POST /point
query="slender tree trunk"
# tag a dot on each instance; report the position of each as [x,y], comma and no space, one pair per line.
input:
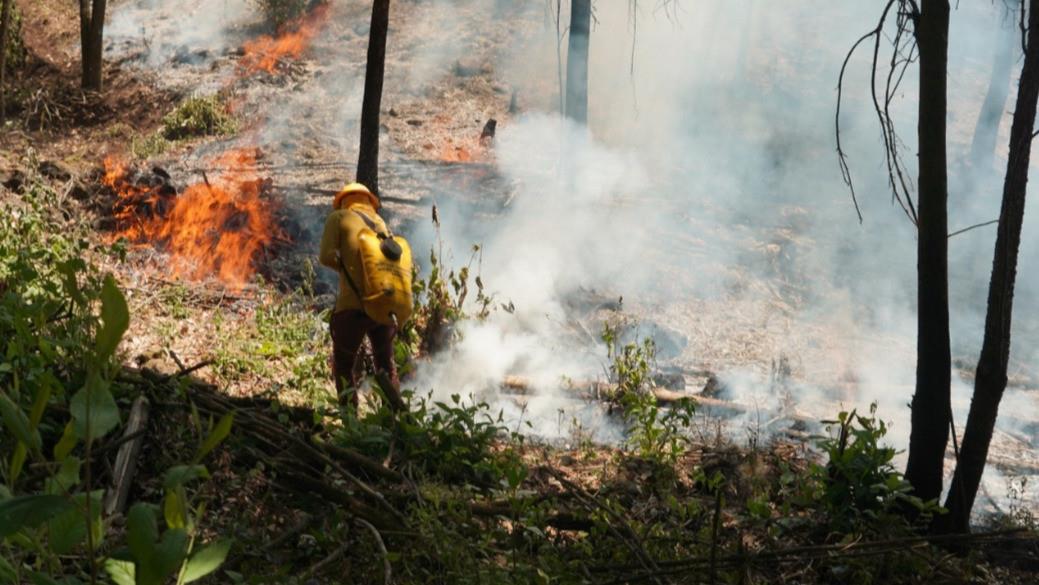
[5,25]
[991,379]
[577,61]
[931,403]
[91,38]
[986,131]
[368,159]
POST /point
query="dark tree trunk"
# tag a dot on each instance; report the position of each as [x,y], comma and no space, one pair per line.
[5,25]
[91,38]
[991,379]
[986,131]
[577,61]
[931,403]
[368,158]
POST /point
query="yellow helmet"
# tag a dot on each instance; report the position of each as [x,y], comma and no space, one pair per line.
[353,188]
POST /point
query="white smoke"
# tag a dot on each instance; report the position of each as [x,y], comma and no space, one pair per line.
[189,31]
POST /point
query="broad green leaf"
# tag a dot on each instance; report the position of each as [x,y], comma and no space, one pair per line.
[17,461]
[43,579]
[206,561]
[39,403]
[175,509]
[68,269]
[170,552]
[179,475]
[95,398]
[141,532]
[70,528]
[67,442]
[7,572]
[65,479]
[220,432]
[121,572]
[115,318]
[16,422]
[30,511]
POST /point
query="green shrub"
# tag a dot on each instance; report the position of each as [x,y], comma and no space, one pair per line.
[62,321]
[656,434]
[453,441]
[198,116]
[859,488]
[145,147]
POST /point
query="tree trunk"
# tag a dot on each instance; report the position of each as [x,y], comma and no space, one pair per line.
[5,25]
[991,379]
[91,38]
[931,406]
[368,158]
[577,61]
[986,131]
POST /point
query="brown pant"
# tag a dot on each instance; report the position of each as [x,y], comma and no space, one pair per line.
[348,330]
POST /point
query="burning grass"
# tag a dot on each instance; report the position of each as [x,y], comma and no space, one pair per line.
[219,227]
[265,53]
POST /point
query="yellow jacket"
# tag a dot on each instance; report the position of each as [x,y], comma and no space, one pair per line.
[340,241]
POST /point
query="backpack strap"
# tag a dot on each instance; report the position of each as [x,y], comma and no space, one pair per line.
[390,248]
[383,234]
[350,280]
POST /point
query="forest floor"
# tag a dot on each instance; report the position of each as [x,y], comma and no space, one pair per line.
[676,496]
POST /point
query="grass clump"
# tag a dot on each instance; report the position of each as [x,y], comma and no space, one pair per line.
[198,116]
[145,147]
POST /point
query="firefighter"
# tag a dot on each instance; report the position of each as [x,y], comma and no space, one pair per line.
[350,323]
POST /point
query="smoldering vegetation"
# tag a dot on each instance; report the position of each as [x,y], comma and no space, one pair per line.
[710,181]
[707,194]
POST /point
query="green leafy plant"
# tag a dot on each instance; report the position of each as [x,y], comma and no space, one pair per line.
[655,433]
[859,487]
[145,147]
[198,116]
[63,321]
[453,440]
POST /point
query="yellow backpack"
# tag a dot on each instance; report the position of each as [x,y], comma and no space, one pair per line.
[386,263]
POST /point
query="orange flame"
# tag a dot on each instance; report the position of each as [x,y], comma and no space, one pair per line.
[263,54]
[217,227]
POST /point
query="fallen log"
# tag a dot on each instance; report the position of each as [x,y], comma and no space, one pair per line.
[126,457]
[595,390]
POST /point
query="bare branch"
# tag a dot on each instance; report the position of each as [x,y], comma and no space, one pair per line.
[902,56]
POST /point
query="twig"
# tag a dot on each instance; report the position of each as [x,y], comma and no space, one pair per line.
[184,371]
[331,558]
[386,566]
[975,226]
[591,501]
[803,552]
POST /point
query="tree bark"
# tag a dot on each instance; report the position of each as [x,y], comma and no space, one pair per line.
[577,61]
[986,131]
[991,379]
[91,38]
[931,406]
[5,25]
[368,158]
